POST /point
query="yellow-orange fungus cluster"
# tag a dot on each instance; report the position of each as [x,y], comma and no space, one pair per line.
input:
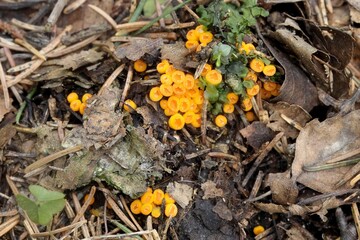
[197,38]
[257,69]
[76,104]
[150,203]
[179,96]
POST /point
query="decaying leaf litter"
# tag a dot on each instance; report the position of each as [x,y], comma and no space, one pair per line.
[291,173]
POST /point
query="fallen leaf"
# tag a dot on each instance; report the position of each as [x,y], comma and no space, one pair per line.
[102,124]
[182,193]
[210,190]
[150,116]
[256,134]
[271,208]
[176,54]
[222,211]
[283,189]
[77,60]
[137,48]
[320,141]
[294,112]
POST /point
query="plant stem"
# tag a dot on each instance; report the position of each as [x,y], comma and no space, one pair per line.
[23,105]
[138,10]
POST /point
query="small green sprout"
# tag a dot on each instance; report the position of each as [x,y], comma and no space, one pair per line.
[46,204]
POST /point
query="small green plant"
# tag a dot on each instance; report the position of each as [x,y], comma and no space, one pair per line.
[46,204]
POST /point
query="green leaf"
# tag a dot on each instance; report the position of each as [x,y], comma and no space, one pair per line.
[29,206]
[211,93]
[248,83]
[42,194]
[236,85]
[216,108]
[48,209]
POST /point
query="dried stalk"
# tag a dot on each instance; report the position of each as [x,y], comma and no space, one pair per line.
[64,51]
[45,160]
[80,215]
[55,14]
[29,225]
[30,48]
[60,230]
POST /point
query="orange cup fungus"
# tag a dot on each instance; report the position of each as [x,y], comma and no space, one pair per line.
[140,66]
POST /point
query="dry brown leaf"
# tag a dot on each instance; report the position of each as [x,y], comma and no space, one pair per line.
[320,141]
[77,60]
[137,48]
[271,208]
[210,190]
[150,117]
[283,189]
[222,211]
[256,134]
[176,54]
[295,112]
[182,193]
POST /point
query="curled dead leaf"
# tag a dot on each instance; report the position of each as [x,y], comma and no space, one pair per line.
[319,142]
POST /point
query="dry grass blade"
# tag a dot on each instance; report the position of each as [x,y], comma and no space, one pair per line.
[27,26]
[38,62]
[30,48]
[9,213]
[119,212]
[356,216]
[80,215]
[60,230]
[9,224]
[11,45]
[111,78]
[104,15]
[77,46]
[29,225]
[4,87]
[45,160]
